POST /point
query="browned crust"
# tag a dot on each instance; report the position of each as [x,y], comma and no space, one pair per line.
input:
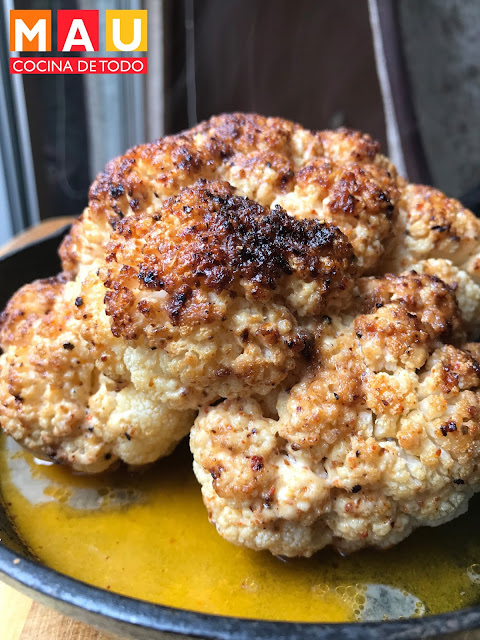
[175,159]
[354,145]
[31,306]
[209,239]
[133,182]
[460,370]
[443,220]
[351,187]
[199,151]
[424,302]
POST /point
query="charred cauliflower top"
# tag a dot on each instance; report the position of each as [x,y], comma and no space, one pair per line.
[340,175]
[291,287]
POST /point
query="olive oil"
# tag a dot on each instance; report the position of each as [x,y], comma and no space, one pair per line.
[147,535]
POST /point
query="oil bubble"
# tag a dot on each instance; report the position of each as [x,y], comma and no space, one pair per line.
[320,590]
[40,462]
[473,572]
[249,584]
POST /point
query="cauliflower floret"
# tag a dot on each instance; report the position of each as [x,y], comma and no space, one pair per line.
[436,234]
[381,436]
[359,198]
[210,293]
[55,399]
[431,225]
[84,246]
[466,289]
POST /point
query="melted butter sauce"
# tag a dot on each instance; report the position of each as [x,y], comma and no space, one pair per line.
[147,536]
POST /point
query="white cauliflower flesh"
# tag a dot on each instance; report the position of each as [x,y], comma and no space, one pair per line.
[381,436]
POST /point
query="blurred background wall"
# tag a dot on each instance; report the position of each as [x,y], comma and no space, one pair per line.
[314,61]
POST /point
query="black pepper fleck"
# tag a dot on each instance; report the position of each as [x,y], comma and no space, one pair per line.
[447,428]
[117,191]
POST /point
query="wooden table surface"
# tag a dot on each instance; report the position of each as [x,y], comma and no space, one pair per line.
[20,617]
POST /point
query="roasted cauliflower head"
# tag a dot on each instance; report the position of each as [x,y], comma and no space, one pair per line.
[290,278]
[381,435]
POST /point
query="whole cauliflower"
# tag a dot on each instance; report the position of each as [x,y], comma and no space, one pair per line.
[292,288]
[381,436]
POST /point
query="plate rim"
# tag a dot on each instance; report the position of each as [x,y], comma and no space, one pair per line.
[150,616]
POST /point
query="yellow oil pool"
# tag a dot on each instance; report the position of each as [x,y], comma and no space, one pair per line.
[147,536]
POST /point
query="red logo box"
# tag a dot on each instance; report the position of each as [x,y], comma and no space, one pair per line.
[77,30]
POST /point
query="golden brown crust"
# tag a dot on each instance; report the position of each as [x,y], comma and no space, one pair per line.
[402,320]
[207,239]
[28,305]
[338,382]
[264,158]
[352,187]
[179,160]
[457,369]
[436,234]
[344,145]
[423,304]
[41,358]
[432,225]
[452,231]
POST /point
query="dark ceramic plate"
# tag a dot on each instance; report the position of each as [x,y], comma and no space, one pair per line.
[142,620]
